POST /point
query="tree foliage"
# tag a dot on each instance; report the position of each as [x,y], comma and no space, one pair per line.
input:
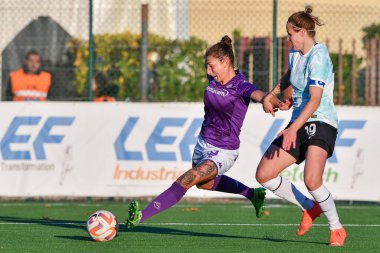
[371,31]
[347,75]
[176,68]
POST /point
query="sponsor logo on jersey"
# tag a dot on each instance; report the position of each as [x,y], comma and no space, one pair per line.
[222,92]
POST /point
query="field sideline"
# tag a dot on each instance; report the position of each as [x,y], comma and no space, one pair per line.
[187,227]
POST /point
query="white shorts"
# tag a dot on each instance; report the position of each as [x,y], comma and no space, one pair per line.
[223,158]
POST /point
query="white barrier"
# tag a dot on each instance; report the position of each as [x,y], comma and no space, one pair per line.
[133,149]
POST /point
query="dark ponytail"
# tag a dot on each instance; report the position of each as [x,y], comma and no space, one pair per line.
[222,49]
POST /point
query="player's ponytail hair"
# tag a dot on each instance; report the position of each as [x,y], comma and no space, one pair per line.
[222,49]
[305,20]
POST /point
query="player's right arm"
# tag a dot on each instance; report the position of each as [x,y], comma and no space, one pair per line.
[283,87]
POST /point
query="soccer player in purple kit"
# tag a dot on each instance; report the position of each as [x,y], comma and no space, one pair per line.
[226,101]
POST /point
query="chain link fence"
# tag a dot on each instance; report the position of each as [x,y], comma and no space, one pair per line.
[45,27]
[94,50]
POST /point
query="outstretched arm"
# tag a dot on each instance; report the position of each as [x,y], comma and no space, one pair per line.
[268,101]
[290,134]
[258,95]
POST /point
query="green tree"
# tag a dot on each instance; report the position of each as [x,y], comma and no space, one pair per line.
[176,67]
[347,75]
[371,31]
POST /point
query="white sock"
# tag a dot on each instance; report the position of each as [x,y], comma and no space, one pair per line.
[326,202]
[286,190]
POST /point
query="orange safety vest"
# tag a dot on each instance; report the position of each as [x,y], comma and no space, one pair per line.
[104,99]
[29,86]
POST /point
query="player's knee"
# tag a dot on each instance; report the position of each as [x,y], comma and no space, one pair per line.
[263,176]
[189,179]
[198,175]
[205,169]
[259,177]
[312,183]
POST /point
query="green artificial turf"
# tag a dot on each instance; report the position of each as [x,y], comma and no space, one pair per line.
[186,227]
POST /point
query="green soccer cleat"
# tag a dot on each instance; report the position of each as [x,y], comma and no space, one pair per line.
[134,214]
[258,201]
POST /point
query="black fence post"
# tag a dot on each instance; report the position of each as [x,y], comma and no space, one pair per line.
[144,53]
[90,72]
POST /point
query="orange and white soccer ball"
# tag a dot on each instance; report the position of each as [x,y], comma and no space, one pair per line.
[102,226]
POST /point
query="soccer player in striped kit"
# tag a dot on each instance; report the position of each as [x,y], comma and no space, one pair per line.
[312,131]
[226,101]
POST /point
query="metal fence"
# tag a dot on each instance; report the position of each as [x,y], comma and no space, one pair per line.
[100,42]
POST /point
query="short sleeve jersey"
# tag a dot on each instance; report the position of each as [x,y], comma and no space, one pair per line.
[313,69]
[225,110]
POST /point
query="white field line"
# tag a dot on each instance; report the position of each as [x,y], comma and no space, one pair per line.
[185,205]
[191,224]
[253,225]
[43,223]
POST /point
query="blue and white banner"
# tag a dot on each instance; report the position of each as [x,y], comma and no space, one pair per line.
[139,149]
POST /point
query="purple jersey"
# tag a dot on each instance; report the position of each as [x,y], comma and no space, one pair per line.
[225,109]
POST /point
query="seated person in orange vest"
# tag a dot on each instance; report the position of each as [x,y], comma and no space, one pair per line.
[29,83]
[102,90]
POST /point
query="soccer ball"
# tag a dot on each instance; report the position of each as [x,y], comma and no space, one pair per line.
[102,226]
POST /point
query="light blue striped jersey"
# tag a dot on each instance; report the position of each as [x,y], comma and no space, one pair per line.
[313,69]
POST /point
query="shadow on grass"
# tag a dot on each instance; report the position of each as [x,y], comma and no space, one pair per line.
[76,237]
[45,222]
[170,231]
[141,229]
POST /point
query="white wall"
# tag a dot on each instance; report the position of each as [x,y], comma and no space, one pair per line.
[73,149]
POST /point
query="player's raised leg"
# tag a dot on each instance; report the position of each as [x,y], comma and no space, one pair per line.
[227,184]
[274,161]
[204,171]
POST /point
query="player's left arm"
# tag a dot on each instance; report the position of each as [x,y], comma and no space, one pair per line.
[317,76]
[290,134]
[310,107]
